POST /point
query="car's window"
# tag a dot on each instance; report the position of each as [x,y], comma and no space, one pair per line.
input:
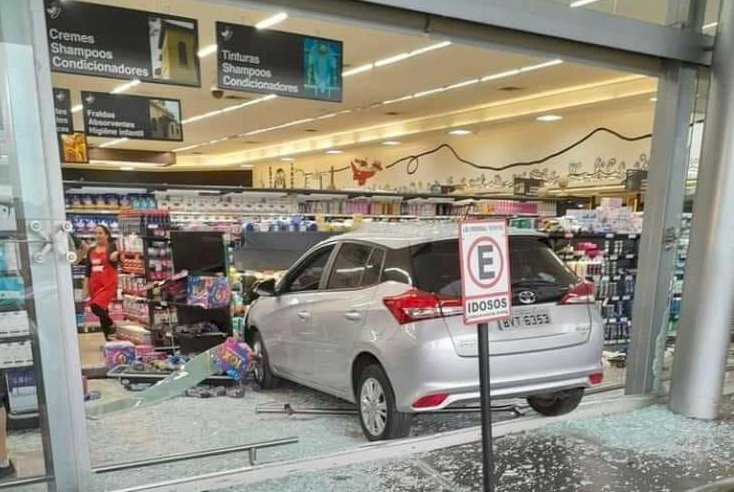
[397,267]
[350,266]
[533,262]
[372,271]
[436,267]
[307,275]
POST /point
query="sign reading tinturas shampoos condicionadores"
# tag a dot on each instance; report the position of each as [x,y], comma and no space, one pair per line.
[133,117]
[104,41]
[282,63]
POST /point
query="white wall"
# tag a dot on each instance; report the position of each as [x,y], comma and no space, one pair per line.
[495,145]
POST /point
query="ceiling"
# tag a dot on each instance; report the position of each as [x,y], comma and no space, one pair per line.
[241,136]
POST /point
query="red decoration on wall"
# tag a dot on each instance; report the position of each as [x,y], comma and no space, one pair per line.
[363,170]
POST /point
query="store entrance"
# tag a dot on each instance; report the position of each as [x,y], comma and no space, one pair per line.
[214,155]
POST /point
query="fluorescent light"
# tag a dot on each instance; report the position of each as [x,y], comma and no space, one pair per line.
[547,64]
[356,70]
[500,75]
[581,3]
[334,151]
[287,159]
[207,50]
[124,87]
[710,25]
[392,59]
[391,142]
[127,168]
[188,147]
[653,99]
[271,21]
[400,99]
[549,117]
[77,108]
[114,142]
[326,116]
[432,47]
[202,116]
[460,132]
[428,92]
[462,84]
[246,166]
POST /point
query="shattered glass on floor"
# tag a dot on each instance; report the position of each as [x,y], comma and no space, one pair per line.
[649,450]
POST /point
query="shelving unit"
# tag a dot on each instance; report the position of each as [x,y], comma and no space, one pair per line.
[613,269]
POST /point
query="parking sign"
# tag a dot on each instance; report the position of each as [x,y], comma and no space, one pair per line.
[485,270]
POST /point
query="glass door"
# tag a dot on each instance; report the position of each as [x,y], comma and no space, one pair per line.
[42,432]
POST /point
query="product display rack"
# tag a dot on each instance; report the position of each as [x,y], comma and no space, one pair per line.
[145,259]
[676,291]
[613,269]
[16,346]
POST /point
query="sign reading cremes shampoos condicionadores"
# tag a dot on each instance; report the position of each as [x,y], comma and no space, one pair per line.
[133,117]
[91,39]
[282,63]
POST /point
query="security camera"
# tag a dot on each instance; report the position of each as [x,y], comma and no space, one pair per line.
[217,93]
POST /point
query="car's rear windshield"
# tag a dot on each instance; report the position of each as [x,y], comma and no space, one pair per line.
[532,262]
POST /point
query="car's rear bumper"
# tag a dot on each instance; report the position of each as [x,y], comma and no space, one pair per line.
[435,368]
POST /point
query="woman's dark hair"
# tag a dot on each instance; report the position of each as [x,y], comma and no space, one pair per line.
[106,231]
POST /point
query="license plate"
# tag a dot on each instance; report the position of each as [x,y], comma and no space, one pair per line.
[526,318]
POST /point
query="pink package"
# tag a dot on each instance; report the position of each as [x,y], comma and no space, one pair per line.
[144,352]
[119,353]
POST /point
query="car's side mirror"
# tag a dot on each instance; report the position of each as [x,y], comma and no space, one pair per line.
[266,288]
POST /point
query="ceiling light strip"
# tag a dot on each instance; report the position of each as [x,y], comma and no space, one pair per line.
[395,58]
[114,142]
[271,21]
[125,87]
[581,3]
[203,116]
[207,50]
[77,108]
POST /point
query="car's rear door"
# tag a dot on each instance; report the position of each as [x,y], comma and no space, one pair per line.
[349,296]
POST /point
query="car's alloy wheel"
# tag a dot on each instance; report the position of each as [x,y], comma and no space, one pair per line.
[373,406]
[264,377]
[378,413]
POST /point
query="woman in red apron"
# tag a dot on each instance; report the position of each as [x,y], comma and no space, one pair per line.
[101,284]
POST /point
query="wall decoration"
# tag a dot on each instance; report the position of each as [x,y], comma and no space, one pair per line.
[362,170]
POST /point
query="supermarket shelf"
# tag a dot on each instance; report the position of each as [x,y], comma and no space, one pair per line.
[133,271]
[625,341]
[136,319]
[91,211]
[21,338]
[135,298]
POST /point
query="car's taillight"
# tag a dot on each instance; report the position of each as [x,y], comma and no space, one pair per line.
[430,401]
[581,293]
[416,305]
[596,378]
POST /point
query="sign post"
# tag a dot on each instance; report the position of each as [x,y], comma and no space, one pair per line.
[485,282]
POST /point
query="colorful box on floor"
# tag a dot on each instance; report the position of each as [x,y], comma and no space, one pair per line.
[119,353]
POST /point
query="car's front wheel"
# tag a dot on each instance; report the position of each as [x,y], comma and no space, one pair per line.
[558,403]
[378,414]
[264,376]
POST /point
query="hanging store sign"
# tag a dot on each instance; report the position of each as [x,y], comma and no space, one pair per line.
[103,41]
[133,117]
[62,111]
[282,63]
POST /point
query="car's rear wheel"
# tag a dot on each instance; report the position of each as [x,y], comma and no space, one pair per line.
[558,403]
[264,376]
[378,414]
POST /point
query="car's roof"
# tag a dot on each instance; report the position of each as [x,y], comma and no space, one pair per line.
[399,236]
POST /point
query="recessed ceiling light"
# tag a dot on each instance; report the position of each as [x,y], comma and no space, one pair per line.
[549,117]
[653,99]
[391,142]
[287,159]
[77,108]
[113,142]
[246,166]
[271,21]
[127,168]
[709,26]
[334,151]
[460,132]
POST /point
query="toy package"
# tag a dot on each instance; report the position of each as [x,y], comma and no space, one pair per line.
[119,353]
[232,358]
[208,292]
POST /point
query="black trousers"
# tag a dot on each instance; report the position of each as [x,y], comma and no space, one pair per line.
[104,319]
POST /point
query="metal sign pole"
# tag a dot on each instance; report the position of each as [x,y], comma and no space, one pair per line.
[487,451]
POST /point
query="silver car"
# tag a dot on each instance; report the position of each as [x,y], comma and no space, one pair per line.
[375,319]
